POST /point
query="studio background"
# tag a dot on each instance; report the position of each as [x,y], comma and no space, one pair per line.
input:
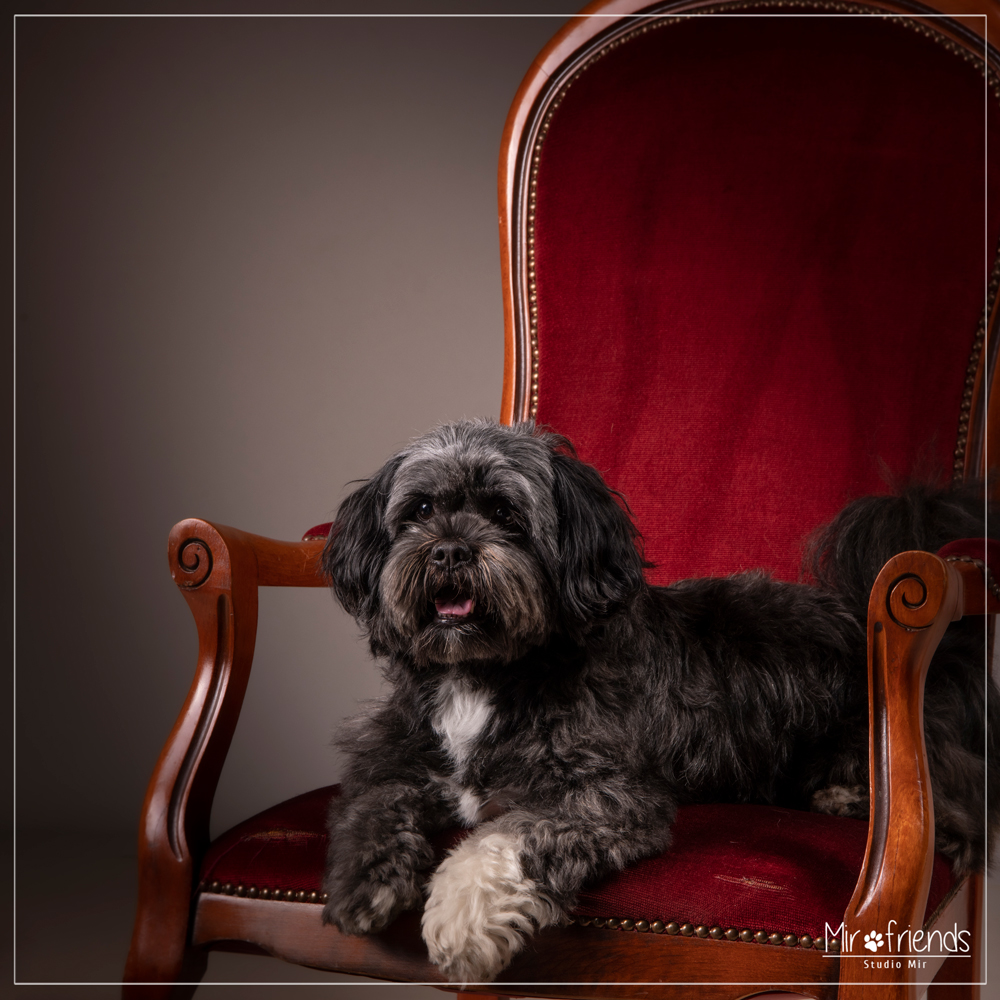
[254,257]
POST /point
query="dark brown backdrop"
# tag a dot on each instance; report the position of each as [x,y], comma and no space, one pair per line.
[254,256]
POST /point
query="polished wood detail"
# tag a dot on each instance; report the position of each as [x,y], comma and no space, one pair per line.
[959,978]
[598,960]
[218,570]
[979,598]
[220,586]
[914,599]
[296,933]
[478,996]
[624,963]
[284,564]
[981,16]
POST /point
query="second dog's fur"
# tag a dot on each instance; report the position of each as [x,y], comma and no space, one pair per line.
[544,693]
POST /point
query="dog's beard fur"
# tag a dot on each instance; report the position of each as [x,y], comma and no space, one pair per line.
[542,688]
[510,605]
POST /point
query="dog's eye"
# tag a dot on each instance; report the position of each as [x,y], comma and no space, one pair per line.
[425,511]
[502,514]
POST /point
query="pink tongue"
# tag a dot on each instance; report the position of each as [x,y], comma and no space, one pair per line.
[457,609]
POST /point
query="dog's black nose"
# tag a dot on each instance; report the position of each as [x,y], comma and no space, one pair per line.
[448,555]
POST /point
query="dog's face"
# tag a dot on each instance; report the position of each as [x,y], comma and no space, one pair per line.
[477,542]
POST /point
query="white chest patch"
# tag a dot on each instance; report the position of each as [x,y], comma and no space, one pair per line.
[460,715]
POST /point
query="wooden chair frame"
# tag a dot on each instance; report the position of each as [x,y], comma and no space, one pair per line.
[219,570]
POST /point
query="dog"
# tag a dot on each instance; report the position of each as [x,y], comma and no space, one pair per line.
[542,693]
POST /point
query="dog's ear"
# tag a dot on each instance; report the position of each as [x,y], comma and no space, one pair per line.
[359,543]
[600,563]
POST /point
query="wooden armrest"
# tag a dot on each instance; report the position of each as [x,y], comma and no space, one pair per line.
[218,570]
[979,592]
[915,597]
[277,564]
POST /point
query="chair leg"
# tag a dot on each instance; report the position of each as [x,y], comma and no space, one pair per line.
[467,995]
[216,572]
[189,975]
[958,978]
[160,955]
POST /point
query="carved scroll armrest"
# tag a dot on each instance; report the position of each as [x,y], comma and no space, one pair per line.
[915,597]
[218,570]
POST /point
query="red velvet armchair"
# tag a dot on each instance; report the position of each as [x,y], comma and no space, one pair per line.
[749,269]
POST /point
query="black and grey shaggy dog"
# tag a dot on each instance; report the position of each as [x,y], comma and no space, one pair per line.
[544,693]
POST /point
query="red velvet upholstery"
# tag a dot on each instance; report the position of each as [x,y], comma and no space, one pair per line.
[318,531]
[786,871]
[984,550]
[760,266]
[283,847]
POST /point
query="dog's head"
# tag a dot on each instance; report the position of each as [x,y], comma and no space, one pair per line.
[479,541]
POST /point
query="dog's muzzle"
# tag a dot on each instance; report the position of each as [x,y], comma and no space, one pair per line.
[452,599]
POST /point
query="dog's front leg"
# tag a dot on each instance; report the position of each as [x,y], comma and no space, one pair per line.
[517,874]
[481,905]
[378,852]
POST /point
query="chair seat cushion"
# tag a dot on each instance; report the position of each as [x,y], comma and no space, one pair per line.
[748,867]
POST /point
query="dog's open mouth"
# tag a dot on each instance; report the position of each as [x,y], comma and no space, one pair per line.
[451,604]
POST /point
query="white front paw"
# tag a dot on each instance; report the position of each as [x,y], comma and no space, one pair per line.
[481,907]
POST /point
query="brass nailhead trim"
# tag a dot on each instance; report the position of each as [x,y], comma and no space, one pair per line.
[255,892]
[991,582]
[833,6]
[958,473]
[715,932]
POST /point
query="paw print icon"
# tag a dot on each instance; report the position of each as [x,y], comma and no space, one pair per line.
[873,941]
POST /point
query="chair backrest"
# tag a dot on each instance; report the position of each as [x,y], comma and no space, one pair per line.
[749,260]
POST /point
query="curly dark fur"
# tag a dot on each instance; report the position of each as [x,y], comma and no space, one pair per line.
[845,556]
[541,689]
